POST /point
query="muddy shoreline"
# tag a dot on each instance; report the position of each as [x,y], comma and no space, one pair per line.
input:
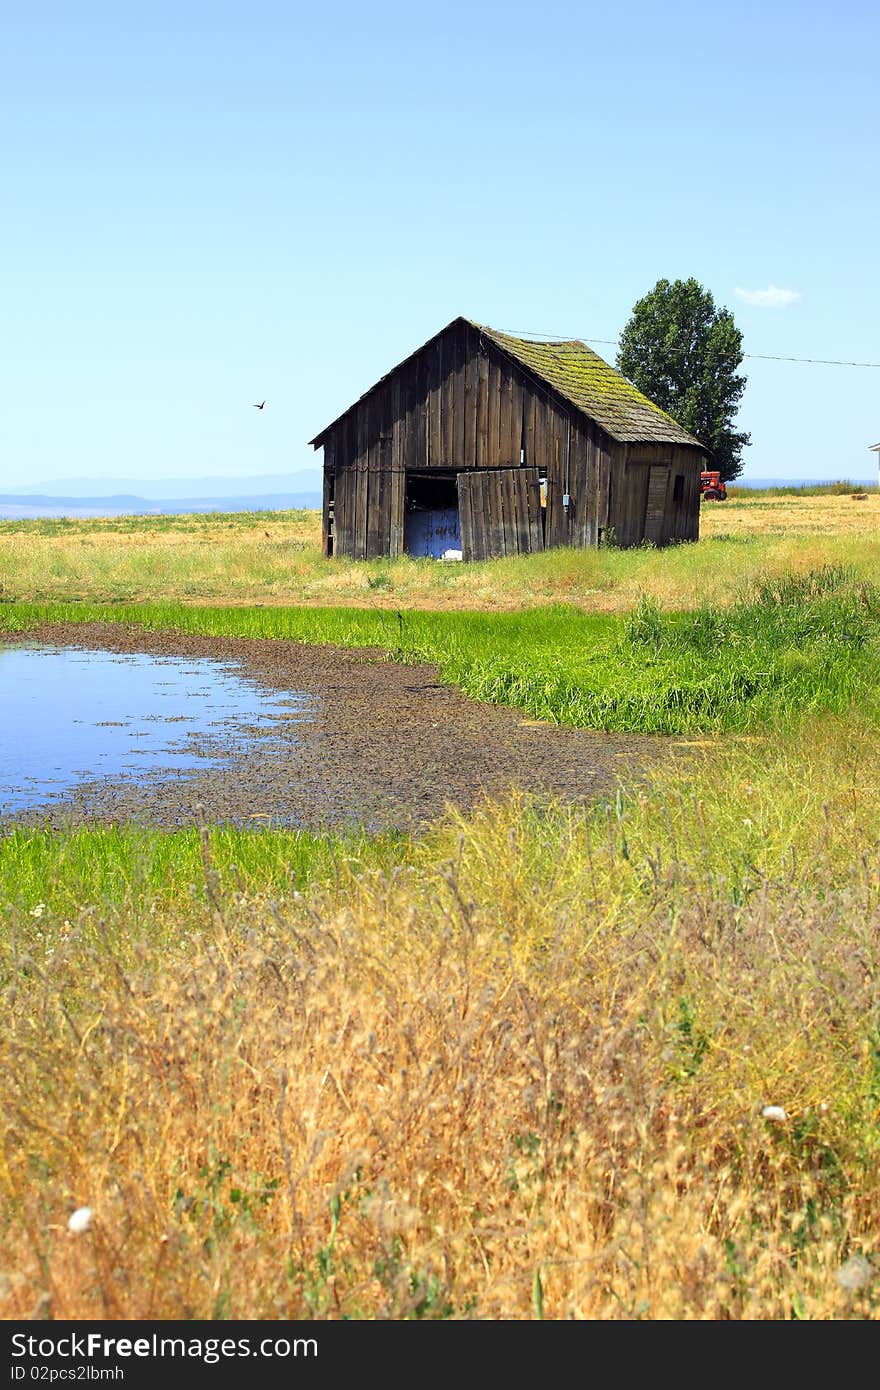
[388,747]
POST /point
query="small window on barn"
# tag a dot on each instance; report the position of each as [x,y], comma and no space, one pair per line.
[678,488]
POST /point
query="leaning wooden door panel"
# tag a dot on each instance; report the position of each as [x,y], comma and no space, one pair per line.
[472,510]
[500,511]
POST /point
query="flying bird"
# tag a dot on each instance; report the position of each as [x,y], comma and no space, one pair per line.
[260,406]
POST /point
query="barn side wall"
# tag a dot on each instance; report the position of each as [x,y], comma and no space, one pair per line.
[633,497]
[461,404]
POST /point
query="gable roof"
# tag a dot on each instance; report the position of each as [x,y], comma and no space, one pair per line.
[576,375]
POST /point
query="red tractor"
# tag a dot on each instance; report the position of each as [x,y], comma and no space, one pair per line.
[712,488]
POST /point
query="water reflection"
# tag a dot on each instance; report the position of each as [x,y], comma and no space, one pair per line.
[71,715]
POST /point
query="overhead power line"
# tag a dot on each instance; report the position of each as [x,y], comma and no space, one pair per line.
[760,356]
[818,361]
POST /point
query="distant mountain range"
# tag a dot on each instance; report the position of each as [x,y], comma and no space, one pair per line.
[15,507]
[85,497]
[168,489]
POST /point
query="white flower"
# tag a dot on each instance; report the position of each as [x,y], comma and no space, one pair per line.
[38,910]
[855,1274]
[80,1220]
[774,1112]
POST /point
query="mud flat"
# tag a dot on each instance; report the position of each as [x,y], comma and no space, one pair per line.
[387,745]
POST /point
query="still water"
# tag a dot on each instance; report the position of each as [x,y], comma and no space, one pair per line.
[69,716]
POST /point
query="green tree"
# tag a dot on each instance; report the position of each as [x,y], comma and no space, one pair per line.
[683,353]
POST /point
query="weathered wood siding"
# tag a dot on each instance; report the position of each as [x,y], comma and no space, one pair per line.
[459,405]
[644,504]
[500,513]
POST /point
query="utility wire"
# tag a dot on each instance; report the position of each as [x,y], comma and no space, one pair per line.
[761,356]
[818,361]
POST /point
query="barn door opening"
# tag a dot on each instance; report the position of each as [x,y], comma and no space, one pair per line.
[500,511]
[431,525]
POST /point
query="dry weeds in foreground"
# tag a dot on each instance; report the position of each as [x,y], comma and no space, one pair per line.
[524,1079]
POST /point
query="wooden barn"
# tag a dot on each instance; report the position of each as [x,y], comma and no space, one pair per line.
[480,445]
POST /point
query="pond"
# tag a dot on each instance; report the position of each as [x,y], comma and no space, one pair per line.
[72,716]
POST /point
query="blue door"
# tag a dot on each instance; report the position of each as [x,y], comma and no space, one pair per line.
[431,533]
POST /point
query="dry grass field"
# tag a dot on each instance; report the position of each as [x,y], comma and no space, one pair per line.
[525,1075]
[274,558]
[844,514]
[540,1062]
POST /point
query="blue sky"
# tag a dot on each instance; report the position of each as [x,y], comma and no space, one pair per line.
[208,205]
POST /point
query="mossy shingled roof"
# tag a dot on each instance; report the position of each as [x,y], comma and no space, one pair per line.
[586,380]
[576,374]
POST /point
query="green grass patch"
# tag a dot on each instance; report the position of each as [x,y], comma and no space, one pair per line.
[801,644]
[59,872]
